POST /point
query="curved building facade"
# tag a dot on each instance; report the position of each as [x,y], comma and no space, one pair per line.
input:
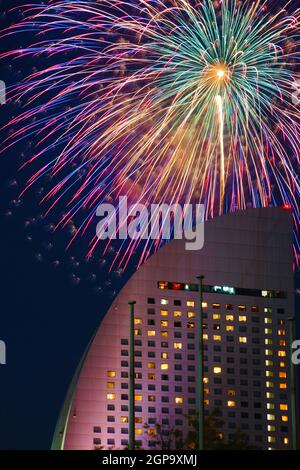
[248,297]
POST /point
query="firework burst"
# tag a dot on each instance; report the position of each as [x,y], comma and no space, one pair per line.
[164,101]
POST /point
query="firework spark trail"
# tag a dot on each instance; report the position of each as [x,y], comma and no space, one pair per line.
[222,156]
[168,101]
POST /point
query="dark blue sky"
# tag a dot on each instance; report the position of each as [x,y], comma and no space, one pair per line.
[51,303]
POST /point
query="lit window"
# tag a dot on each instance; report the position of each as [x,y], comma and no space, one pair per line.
[177,345]
[270,417]
[204,305]
[284,418]
[138,397]
[282,375]
[110,396]
[138,432]
[282,343]
[164,366]
[191,314]
[268,352]
[206,402]
[151,365]
[138,321]
[163,285]
[177,313]
[229,328]
[271,439]
[164,334]
[283,386]
[270,395]
[164,313]
[281,364]
[269,384]
[137,332]
[110,384]
[242,308]
[164,323]
[111,373]
[268,331]
[271,428]
[269,363]
[206,391]
[242,339]
[283,407]
[242,318]
[217,337]
[268,310]
[217,370]
[151,376]
[217,316]
[205,336]
[164,302]
[231,393]
[270,406]
[164,355]
[124,419]
[281,332]
[152,432]
[190,303]
[268,342]
[281,354]
[190,324]
[178,400]
[285,440]
[205,380]
[151,332]
[216,305]
[138,419]
[269,373]
[229,317]
[231,403]
[268,321]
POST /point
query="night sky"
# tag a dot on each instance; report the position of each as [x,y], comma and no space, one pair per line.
[52,300]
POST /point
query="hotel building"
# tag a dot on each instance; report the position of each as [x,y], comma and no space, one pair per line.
[247,300]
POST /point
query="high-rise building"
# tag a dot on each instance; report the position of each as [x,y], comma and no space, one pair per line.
[248,298]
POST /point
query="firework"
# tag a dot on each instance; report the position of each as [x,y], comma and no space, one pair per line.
[164,101]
